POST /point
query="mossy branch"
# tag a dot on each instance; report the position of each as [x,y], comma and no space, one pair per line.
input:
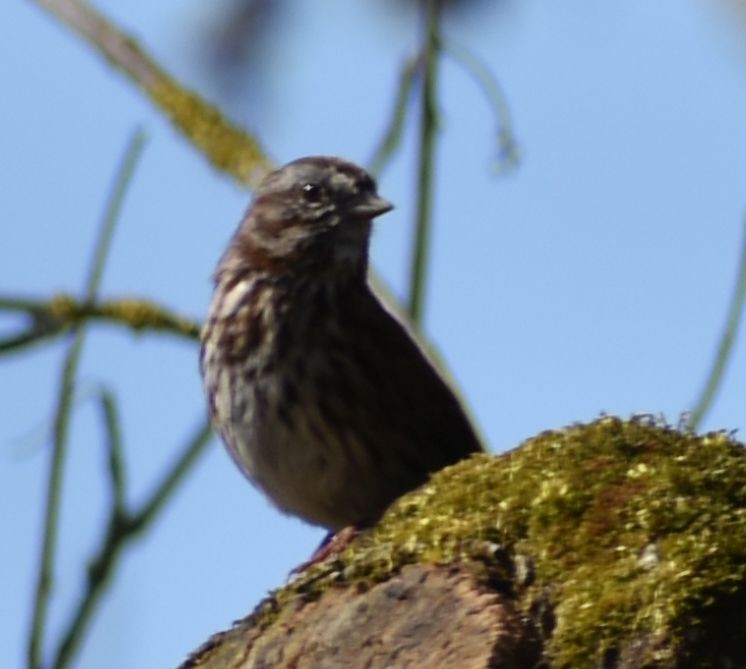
[229,148]
[62,313]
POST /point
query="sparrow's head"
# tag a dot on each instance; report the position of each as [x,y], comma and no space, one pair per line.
[313,214]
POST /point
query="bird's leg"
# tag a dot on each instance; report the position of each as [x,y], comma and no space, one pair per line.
[332,543]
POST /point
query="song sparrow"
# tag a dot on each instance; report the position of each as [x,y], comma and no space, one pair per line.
[323,399]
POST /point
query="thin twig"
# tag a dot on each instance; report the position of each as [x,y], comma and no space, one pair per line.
[725,347]
[122,529]
[43,324]
[54,491]
[113,210]
[392,137]
[45,575]
[426,160]
[173,477]
[508,155]
[25,340]
[115,450]
[9,303]
[226,146]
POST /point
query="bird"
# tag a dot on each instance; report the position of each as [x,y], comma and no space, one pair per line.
[321,395]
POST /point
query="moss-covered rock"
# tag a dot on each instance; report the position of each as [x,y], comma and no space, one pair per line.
[623,541]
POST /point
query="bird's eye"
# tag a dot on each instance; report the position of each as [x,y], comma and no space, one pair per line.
[312,192]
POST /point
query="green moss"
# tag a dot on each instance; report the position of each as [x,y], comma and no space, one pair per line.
[632,530]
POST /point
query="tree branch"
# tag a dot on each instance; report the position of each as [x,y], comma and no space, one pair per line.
[123,527]
[58,315]
[725,347]
[226,146]
[45,574]
[426,160]
[395,129]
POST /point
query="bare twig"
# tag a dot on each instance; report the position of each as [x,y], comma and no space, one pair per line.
[45,575]
[123,527]
[392,137]
[725,347]
[115,451]
[426,160]
[43,324]
[508,155]
[24,340]
[173,477]
[226,146]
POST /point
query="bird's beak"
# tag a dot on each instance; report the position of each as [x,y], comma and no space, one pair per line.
[370,206]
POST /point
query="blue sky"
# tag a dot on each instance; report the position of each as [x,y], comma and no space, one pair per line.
[595,278]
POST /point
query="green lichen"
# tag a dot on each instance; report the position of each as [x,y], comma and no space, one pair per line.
[139,315]
[226,146]
[634,532]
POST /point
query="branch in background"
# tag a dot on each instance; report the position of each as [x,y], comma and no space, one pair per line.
[115,451]
[226,146]
[392,137]
[58,315]
[725,348]
[426,160]
[45,576]
[123,526]
[508,154]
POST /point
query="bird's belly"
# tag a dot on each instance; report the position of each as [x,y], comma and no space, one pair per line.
[304,468]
